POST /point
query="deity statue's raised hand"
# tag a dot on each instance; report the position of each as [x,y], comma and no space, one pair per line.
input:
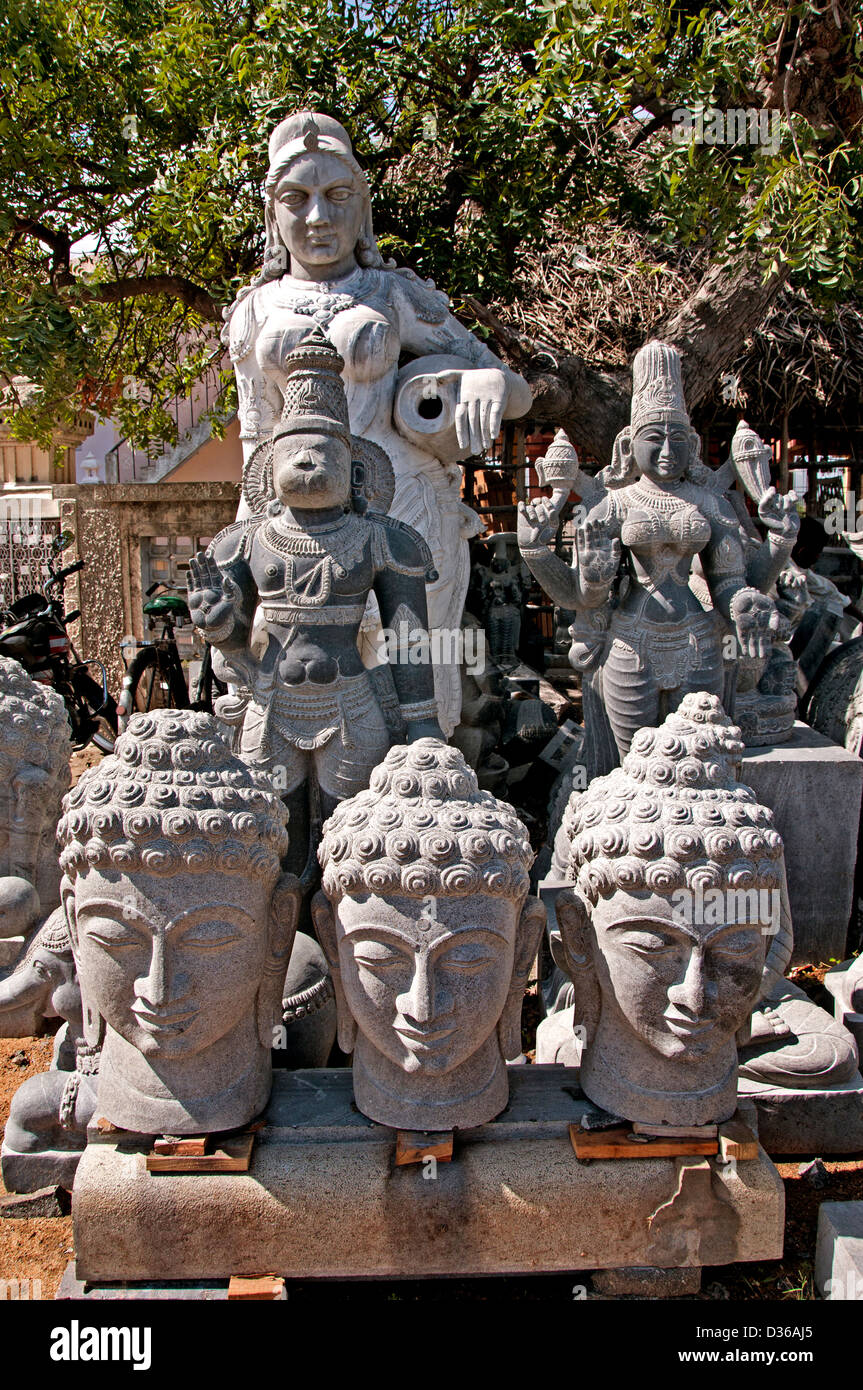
[756,620]
[214,598]
[536,524]
[779,514]
[598,553]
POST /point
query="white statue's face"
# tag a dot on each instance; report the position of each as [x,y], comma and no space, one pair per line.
[171,974]
[684,990]
[661,451]
[311,470]
[426,980]
[319,213]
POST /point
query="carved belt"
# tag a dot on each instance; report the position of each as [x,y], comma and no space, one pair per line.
[335,614]
[670,652]
[308,716]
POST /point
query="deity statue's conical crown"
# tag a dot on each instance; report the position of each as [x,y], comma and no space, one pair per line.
[657,387]
[314,394]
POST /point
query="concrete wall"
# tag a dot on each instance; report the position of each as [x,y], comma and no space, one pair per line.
[109,524]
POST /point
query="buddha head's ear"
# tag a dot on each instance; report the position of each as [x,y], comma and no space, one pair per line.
[573,950]
[324,918]
[529,931]
[282,927]
[93,1022]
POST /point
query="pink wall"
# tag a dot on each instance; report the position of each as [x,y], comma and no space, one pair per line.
[217,461]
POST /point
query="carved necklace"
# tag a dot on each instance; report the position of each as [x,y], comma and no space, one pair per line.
[323,303]
[334,550]
[657,500]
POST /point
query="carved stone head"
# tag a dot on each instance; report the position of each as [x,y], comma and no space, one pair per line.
[659,442]
[35,747]
[430,934]
[182,924]
[317,199]
[677,874]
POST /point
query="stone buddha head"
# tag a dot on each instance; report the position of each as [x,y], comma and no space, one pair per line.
[35,747]
[317,202]
[676,873]
[430,934]
[182,924]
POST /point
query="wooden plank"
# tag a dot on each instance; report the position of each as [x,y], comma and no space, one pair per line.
[617,1143]
[414,1146]
[232,1156]
[266,1288]
[195,1144]
[736,1140]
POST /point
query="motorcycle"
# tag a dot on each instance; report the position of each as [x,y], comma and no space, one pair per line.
[34,633]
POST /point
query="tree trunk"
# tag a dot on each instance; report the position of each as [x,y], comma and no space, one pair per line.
[710,329]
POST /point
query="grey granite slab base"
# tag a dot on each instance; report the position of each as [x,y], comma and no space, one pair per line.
[839,1251]
[208,1290]
[813,788]
[323,1199]
[808,1122]
[29,1172]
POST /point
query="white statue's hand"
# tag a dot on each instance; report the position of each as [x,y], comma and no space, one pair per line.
[482,393]
[536,524]
[598,552]
[779,513]
[213,597]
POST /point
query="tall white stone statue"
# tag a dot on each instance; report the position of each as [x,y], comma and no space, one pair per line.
[322,266]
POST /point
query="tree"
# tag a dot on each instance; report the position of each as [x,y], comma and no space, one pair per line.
[138,135]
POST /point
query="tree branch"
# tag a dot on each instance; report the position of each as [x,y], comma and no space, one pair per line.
[138,286]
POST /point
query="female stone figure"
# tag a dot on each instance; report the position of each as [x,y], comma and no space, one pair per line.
[638,619]
[322,266]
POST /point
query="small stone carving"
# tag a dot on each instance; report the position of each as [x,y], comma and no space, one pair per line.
[181,923]
[46,1132]
[497,599]
[430,934]
[760,690]
[35,748]
[282,594]
[676,872]
[308,1008]
[322,266]
[641,634]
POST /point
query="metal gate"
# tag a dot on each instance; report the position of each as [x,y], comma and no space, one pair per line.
[25,552]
